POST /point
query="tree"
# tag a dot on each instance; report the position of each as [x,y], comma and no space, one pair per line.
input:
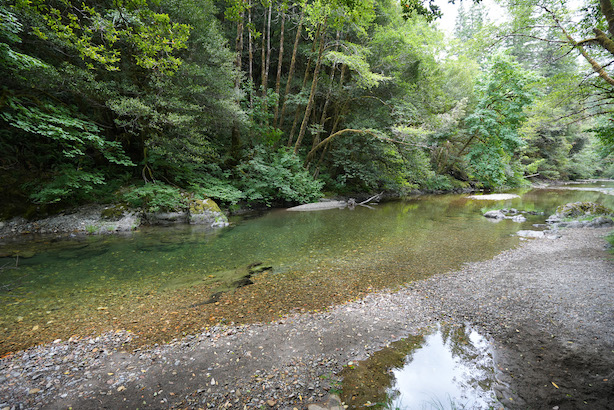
[492,129]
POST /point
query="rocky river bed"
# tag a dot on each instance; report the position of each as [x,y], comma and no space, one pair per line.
[546,306]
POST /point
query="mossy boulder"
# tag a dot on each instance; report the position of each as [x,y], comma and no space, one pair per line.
[580,209]
[206,212]
[202,205]
[114,212]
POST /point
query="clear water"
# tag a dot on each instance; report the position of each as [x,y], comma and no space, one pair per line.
[447,371]
[72,279]
[449,368]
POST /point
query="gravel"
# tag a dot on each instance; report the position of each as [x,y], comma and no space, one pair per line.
[547,307]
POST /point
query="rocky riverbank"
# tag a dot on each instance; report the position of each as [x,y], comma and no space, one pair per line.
[547,307]
[105,219]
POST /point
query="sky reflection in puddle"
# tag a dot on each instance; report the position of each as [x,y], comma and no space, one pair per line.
[450,368]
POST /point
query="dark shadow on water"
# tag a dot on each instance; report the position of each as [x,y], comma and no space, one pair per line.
[449,368]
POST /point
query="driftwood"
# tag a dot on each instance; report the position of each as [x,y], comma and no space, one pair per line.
[322,206]
[319,206]
[375,198]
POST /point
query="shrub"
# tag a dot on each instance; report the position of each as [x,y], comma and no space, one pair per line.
[155,197]
[68,185]
[270,177]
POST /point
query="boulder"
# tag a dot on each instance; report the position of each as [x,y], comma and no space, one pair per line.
[578,209]
[206,212]
[600,222]
[519,218]
[495,214]
[531,234]
[166,218]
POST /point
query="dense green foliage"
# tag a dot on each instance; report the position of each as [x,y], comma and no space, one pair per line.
[273,102]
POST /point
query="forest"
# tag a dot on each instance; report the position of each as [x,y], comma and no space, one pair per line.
[274,102]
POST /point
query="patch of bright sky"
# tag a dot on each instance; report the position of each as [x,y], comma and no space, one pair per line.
[447,23]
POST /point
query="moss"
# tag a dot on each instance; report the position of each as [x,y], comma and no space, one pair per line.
[578,209]
[114,211]
[199,206]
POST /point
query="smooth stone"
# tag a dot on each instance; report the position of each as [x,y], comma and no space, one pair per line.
[531,234]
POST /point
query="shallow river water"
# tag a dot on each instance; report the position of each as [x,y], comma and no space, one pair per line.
[97,283]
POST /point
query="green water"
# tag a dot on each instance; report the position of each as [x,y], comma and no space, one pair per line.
[392,243]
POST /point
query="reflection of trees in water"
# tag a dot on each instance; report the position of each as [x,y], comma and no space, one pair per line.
[473,354]
[373,380]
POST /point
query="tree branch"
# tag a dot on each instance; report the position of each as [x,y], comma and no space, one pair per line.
[594,64]
[604,40]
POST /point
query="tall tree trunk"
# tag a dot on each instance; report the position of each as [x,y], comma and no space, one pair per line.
[250,47]
[263,54]
[268,50]
[279,62]
[235,140]
[608,11]
[297,113]
[339,111]
[239,49]
[299,29]
[312,93]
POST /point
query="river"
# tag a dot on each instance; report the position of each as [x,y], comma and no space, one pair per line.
[147,281]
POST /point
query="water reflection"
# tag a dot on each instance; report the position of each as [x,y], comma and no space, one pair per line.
[450,368]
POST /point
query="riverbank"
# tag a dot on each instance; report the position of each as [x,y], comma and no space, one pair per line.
[547,307]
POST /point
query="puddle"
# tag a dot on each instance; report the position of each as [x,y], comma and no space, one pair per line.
[450,368]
